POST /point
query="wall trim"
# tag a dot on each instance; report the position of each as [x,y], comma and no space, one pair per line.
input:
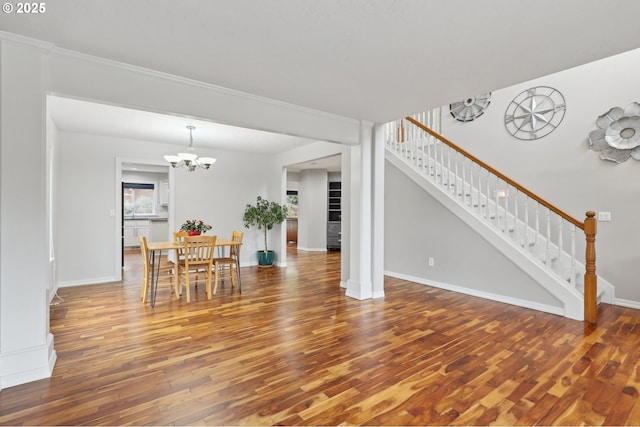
[300,248]
[89,281]
[626,303]
[27,365]
[379,294]
[480,294]
[355,290]
[28,41]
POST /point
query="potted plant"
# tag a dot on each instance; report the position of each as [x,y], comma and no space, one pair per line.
[264,214]
[195,227]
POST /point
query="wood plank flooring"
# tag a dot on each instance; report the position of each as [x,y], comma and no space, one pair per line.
[293,350]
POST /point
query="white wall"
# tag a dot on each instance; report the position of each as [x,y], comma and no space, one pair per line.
[51,142]
[561,168]
[312,210]
[87,188]
[417,227]
[26,346]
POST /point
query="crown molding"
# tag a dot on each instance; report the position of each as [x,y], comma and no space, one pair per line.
[26,41]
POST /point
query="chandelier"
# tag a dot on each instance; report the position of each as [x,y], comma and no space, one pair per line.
[189,159]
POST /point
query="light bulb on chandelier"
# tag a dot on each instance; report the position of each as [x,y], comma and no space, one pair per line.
[190,159]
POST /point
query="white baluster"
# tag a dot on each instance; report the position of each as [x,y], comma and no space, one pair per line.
[442,147]
[496,203]
[479,193]
[515,216]
[548,254]
[560,241]
[422,153]
[414,137]
[506,209]
[488,211]
[429,162]
[537,224]
[525,244]
[455,156]
[572,277]
[464,182]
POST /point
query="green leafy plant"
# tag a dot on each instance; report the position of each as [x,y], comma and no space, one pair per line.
[264,215]
[195,225]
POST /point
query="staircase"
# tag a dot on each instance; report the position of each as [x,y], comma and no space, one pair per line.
[540,238]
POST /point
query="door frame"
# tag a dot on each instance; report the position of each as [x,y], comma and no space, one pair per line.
[119,213]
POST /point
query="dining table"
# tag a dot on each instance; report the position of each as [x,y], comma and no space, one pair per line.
[155,251]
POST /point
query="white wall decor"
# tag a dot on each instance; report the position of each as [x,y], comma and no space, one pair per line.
[534,113]
[618,135]
[470,108]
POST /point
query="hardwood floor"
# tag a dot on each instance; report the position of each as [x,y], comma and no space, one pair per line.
[293,350]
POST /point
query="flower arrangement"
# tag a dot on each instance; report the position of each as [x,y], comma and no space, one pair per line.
[193,226]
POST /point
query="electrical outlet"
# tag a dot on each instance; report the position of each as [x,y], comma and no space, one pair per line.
[604,216]
[431,261]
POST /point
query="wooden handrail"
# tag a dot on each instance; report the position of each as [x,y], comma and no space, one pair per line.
[589,226]
[503,177]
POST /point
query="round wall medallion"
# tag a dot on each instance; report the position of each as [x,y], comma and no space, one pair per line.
[470,108]
[535,113]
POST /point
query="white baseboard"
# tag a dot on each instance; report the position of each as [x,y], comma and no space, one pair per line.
[27,365]
[480,294]
[93,281]
[379,294]
[300,248]
[626,303]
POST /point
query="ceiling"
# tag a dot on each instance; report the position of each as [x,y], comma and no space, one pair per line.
[73,115]
[87,117]
[365,59]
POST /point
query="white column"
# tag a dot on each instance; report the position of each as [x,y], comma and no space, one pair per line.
[363,234]
[378,211]
[26,346]
[345,223]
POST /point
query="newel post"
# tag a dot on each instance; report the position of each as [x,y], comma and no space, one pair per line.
[590,278]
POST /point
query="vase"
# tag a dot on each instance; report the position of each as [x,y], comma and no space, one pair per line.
[265,259]
[193,233]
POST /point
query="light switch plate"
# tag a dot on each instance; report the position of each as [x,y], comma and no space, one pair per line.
[604,216]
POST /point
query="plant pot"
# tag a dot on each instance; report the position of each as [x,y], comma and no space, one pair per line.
[265,259]
[193,233]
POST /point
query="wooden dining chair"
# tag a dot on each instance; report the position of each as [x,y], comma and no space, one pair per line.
[231,262]
[197,258]
[165,270]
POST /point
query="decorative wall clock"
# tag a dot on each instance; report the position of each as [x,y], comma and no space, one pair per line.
[470,108]
[535,113]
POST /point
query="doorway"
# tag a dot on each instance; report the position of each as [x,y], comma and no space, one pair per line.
[292,218]
[144,194]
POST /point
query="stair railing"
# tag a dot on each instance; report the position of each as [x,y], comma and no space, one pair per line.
[533,223]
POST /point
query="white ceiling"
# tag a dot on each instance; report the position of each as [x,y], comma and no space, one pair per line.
[88,117]
[366,59]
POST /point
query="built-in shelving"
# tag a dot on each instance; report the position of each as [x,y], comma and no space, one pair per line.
[334,215]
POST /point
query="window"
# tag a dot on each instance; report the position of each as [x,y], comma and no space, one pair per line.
[292,203]
[138,199]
